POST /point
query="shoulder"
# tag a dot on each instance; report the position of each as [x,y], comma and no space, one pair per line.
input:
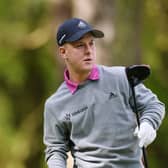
[56,97]
[114,76]
[115,71]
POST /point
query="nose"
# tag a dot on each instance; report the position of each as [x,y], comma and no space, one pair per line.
[88,49]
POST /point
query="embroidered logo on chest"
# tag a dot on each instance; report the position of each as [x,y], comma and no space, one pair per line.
[68,115]
[81,110]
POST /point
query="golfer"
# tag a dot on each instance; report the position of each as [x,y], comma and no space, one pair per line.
[92,113]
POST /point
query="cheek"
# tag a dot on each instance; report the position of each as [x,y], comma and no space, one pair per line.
[77,55]
[74,57]
[94,54]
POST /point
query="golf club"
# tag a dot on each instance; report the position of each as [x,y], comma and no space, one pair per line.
[135,75]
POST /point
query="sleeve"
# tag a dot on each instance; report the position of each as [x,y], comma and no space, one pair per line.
[55,140]
[151,109]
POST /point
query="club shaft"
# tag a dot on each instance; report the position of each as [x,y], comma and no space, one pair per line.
[138,123]
[145,157]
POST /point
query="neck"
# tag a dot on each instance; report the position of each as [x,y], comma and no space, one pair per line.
[78,77]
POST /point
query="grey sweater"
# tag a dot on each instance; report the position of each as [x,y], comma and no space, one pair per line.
[97,122]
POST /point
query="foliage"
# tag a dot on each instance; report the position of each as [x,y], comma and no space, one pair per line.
[30,70]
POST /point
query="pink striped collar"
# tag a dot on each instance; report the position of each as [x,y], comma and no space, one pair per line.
[73,86]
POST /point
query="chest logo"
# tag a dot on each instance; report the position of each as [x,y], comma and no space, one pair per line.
[81,110]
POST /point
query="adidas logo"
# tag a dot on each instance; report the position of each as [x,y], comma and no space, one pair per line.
[81,25]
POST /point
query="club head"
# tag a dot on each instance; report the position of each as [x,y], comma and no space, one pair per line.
[137,73]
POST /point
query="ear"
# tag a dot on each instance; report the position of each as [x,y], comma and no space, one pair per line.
[62,52]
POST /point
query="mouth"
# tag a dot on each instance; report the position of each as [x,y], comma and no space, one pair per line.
[87,60]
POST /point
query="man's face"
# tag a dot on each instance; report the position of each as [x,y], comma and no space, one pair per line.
[80,55]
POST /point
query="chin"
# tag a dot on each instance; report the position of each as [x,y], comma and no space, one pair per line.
[88,67]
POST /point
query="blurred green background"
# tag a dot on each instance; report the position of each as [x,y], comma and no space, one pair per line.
[136,32]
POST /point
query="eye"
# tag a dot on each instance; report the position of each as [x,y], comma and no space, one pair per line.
[92,43]
[79,45]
